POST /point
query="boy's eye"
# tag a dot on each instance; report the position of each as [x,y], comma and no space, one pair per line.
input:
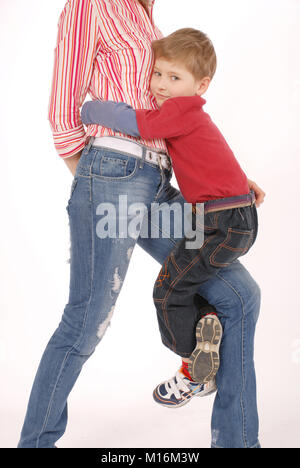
[174,78]
[156,73]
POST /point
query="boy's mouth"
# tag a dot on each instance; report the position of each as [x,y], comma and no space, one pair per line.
[161,96]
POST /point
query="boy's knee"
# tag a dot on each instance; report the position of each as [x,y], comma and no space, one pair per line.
[233,292]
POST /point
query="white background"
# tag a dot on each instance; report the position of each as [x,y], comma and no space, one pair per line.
[255,100]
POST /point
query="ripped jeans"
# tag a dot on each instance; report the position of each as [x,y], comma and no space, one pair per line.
[98,266]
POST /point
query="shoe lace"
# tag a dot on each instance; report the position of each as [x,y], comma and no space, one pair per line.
[175,384]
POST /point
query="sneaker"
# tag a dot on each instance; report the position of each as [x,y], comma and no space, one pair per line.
[204,362]
[179,390]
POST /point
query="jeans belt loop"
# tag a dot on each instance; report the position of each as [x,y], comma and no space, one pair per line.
[91,141]
[142,160]
[163,177]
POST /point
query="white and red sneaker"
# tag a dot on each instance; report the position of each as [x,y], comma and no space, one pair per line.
[179,390]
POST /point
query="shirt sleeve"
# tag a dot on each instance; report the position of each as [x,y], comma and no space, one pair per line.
[116,115]
[163,123]
[74,55]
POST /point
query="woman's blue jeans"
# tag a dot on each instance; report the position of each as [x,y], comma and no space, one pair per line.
[97,270]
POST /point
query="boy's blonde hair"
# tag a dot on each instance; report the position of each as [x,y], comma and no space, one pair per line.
[190,47]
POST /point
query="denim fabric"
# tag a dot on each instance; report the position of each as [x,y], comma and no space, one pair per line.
[97,271]
[228,234]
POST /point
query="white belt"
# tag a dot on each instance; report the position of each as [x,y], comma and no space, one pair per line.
[135,149]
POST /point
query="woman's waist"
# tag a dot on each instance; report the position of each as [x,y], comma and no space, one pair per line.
[158,145]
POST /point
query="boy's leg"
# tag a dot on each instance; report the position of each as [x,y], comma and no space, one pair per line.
[177,283]
[236,297]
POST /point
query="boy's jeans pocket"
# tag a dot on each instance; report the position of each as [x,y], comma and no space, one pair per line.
[236,244]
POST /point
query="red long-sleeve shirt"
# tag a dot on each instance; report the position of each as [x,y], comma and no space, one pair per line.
[204,165]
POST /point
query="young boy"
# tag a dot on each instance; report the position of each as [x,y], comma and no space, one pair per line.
[207,172]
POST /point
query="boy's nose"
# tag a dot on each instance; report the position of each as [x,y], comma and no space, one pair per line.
[162,85]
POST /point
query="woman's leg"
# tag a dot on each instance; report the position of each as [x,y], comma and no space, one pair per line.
[235,418]
[97,271]
[236,297]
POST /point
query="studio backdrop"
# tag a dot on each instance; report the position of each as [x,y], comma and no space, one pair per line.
[254,99]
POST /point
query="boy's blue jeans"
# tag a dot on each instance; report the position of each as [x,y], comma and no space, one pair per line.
[227,235]
[97,270]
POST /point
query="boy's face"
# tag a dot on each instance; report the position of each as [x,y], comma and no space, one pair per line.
[172,79]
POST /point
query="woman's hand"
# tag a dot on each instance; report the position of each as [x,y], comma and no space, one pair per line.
[259,193]
[72,162]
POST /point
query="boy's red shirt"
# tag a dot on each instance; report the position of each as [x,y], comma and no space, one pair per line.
[204,165]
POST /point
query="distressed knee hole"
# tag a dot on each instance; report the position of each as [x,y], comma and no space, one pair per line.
[116,282]
[129,253]
[103,326]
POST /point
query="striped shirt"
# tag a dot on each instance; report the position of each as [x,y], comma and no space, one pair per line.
[103,49]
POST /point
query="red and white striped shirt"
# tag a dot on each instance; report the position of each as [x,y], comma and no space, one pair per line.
[104,49]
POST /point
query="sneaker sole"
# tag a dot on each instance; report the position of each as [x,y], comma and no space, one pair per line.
[205,360]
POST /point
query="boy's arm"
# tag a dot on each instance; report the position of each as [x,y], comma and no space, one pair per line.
[116,115]
[149,124]
[166,122]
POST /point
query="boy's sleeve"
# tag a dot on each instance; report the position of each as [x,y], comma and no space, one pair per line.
[116,115]
[163,123]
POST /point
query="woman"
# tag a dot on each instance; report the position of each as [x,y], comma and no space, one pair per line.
[103,47]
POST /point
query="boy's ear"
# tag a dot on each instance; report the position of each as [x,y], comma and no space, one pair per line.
[203,85]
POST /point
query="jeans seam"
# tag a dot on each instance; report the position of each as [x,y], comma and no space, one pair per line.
[174,263]
[92,259]
[49,407]
[161,185]
[244,435]
[162,232]
[73,347]
[255,445]
[224,245]
[171,239]
[243,375]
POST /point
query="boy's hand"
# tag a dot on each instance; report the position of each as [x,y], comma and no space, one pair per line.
[259,193]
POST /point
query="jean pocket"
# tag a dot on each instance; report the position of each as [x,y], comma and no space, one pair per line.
[236,244]
[113,165]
